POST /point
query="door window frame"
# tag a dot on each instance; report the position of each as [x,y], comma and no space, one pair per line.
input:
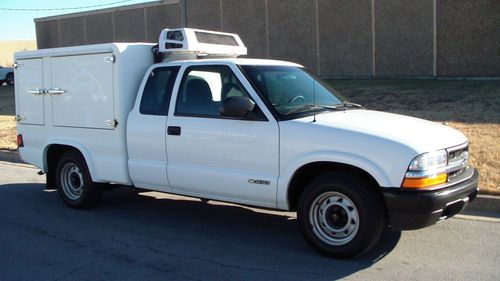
[175,69]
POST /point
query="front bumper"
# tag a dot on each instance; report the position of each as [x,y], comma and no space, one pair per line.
[414,209]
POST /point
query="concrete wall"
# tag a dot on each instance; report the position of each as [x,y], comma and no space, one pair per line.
[345,38]
[292,31]
[251,25]
[404,38]
[206,14]
[468,38]
[136,23]
[334,38]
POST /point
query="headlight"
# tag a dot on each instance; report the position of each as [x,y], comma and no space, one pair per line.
[429,161]
[426,170]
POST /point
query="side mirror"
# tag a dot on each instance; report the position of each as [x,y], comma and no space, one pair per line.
[236,107]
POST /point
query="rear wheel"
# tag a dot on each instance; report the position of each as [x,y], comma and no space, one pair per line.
[74,183]
[340,216]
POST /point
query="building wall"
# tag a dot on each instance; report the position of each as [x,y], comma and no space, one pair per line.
[404,38]
[468,38]
[136,23]
[334,38]
[345,38]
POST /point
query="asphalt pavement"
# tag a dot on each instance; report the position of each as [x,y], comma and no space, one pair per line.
[154,236]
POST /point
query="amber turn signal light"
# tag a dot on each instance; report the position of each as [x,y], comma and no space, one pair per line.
[424,182]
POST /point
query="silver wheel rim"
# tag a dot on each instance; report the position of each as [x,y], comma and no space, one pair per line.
[334,218]
[72,181]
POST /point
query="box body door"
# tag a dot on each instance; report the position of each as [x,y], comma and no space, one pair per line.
[30,92]
[82,91]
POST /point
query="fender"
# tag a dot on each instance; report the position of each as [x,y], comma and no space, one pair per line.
[78,145]
[358,161]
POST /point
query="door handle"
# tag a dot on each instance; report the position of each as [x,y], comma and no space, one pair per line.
[37,91]
[56,91]
[174,130]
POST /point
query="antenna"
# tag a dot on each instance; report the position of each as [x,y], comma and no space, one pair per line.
[314,99]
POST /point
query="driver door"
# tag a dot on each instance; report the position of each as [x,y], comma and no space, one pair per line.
[217,157]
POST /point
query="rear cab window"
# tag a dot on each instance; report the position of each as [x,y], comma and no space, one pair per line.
[157,92]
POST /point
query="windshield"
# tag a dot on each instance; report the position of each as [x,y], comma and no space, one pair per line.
[292,90]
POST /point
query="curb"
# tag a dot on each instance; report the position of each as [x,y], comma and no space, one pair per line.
[482,203]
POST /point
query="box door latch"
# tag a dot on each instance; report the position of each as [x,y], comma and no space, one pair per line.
[112,123]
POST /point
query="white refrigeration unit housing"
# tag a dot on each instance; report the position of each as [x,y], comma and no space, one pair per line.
[189,43]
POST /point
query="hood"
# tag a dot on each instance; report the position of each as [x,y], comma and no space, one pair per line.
[421,135]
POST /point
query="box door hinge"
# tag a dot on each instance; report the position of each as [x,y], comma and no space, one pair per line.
[111,58]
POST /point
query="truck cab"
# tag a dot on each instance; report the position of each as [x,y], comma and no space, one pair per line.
[202,122]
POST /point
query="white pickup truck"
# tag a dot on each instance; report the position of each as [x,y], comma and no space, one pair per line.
[264,133]
[6,75]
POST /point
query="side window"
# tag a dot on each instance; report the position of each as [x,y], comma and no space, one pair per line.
[204,87]
[158,91]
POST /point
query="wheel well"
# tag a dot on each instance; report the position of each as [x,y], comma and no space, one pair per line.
[309,171]
[54,152]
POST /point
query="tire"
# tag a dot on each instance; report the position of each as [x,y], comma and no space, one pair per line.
[9,79]
[73,182]
[340,216]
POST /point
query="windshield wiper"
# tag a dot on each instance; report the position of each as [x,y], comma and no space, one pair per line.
[347,104]
[343,106]
[312,106]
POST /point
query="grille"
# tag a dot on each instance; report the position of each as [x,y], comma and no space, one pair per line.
[457,173]
[458,154]
[457,161]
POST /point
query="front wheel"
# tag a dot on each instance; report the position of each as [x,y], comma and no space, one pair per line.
[73,181]
[340,216]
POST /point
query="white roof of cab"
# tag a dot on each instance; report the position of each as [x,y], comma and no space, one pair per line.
[238,61]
